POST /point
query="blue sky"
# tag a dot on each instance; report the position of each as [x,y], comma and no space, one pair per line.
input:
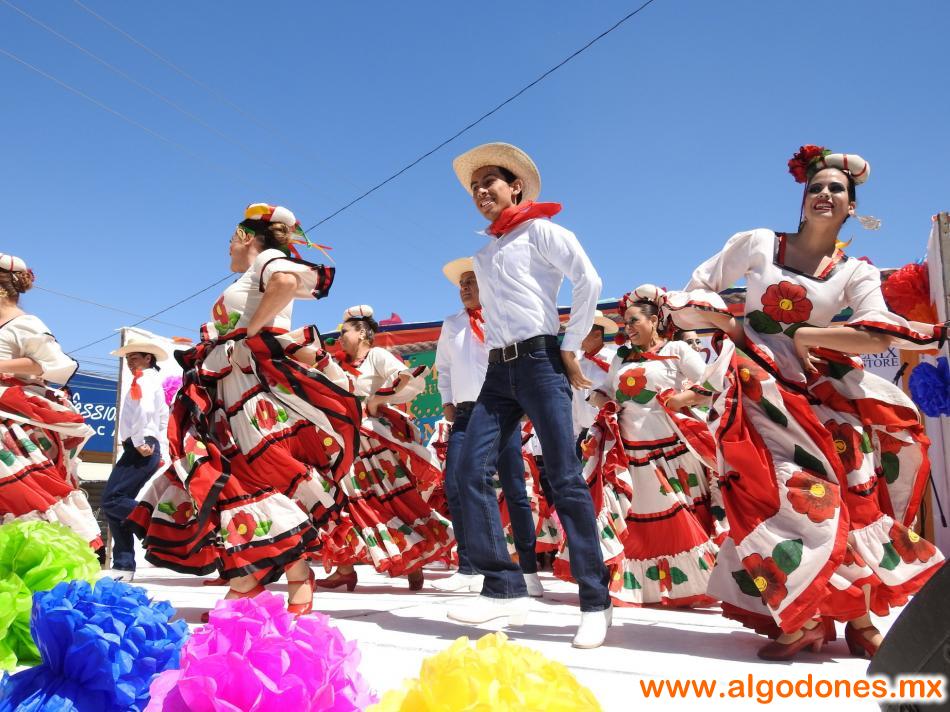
[661,140]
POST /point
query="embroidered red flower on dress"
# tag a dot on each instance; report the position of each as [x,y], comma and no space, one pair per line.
[911,547]
[266,415]
[768,578]
[847,442]
[811,496]
[183,513]
[798,164]
[787,302]
[241,528]
[663,575]
[219,312]
[889,444]
[632,382]
[751,377]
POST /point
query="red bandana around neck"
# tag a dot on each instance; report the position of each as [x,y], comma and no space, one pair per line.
[511,217]
[135,390]
[475,320]
[594,358]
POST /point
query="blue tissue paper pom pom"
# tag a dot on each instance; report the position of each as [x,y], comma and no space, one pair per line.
[100,647]
[930,387]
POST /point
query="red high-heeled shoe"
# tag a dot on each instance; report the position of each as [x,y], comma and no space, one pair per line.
[236,594]
[859,645]
[302,609]
[812,638]
[831,633]
[337,580]
[416,580]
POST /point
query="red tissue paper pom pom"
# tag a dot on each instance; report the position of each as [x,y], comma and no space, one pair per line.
[907,293]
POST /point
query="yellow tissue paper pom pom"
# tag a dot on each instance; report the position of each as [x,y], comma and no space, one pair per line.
[493,676]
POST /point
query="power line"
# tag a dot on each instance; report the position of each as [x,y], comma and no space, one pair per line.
[240,111]
[124,117]
[379,185]
[160,311]
[481,118]
[106,306]
[257,156]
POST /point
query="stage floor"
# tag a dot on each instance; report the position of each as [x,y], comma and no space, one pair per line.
[396,629]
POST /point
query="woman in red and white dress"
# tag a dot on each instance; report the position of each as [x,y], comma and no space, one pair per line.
[646,464]
[385,519]
[41,432]
[822,464]
[262,423]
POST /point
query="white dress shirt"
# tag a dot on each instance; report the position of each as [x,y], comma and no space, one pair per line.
[460,360]
[519,276]
[584,413]
[148,416]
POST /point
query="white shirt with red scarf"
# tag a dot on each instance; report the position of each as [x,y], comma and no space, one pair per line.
[461,360]
[519,277]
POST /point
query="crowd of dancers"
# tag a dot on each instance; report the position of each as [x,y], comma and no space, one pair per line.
[774,477]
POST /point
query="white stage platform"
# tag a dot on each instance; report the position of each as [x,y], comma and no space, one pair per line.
[396,629]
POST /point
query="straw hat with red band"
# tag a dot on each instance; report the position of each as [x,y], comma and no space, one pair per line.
[454,270]
[609,326]
[504,155]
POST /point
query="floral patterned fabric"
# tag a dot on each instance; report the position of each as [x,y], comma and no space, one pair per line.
[257,439]
[821,476]
[385,517]
[650,486]
[41,434]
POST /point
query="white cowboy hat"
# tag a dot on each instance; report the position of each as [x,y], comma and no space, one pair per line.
[454,270]
[504,155]
[610,326]
[142,347]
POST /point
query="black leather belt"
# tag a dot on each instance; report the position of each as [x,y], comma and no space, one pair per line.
[514,351]
[464,407]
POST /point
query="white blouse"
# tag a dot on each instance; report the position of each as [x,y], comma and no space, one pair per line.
[26,336]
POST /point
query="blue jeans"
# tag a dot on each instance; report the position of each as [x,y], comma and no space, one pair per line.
[534,384]
[511,473]
[128,476]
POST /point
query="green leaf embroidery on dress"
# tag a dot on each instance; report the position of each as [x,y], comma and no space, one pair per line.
[788,554]
[644,396]
[745,583]
[630,582]
[839,370]
[763,323]
[774,412]
[891,558]
[166,508]
[790,331]
[891,467]
[806,460]
[262,528]
[678,576]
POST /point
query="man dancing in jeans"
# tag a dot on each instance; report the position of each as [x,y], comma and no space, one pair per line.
[519,275]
